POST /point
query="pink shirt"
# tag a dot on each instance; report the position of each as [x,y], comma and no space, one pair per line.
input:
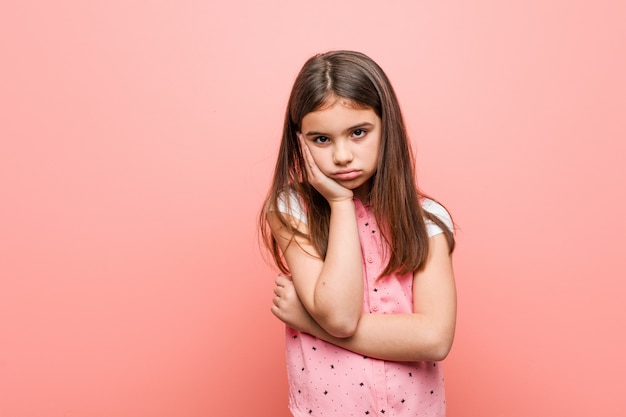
[326,380]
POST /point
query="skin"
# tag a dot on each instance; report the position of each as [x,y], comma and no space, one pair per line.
[425,335]
[343,142]
[340,143]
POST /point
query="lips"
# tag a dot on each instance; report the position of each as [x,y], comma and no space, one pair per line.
[346,175]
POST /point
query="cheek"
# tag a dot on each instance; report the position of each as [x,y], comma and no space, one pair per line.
[375,151]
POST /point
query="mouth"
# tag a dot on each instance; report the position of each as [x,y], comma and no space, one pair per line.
[347,175]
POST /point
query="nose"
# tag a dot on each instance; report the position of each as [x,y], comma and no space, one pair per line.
[342,154]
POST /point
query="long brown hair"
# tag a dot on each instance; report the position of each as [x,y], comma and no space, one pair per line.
[394,195]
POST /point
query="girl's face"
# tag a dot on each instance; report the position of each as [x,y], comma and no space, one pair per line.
[344,141]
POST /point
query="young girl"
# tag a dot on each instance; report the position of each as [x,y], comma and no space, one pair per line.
[370,302]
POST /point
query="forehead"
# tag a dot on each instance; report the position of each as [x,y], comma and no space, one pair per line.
[338,114]
[334,99]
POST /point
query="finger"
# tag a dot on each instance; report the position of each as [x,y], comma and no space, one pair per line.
[279,290]
[278,279]
[306,153]
[282,280]
[275,311]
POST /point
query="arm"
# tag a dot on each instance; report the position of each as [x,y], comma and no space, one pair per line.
[426,334]
[331,290]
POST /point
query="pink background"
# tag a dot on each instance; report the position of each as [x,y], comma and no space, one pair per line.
[137,142]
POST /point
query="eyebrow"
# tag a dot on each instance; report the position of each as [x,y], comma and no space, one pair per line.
[357,126]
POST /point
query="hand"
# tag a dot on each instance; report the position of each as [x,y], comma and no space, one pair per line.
[288,307]
[328,187]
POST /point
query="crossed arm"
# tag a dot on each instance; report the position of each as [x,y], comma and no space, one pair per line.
[330,290]
[424,335]
[325,297]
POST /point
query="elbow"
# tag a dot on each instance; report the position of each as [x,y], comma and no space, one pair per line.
[341,327]
[440,351]
[439,346]
[337,322]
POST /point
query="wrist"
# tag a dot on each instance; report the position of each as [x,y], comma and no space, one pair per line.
[341,202]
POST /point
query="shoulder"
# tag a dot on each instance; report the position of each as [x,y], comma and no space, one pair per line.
[290,203]
[440,212]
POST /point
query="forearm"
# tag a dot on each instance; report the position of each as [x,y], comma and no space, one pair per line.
[338,297]
[395,337]
[425,334]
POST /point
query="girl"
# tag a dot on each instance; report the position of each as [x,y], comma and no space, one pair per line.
[370,303]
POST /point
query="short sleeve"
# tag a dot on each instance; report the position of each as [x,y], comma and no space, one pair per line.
[442,214]
[290,203]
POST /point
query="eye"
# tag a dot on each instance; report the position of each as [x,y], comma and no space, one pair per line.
[321,139]
[359,133]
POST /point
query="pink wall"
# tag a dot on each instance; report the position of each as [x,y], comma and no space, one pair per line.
[137,140]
